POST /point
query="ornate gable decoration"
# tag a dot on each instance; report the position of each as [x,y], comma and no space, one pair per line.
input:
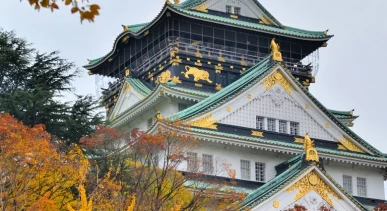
[346,144]
[278,78]
[312,182]
[205,122]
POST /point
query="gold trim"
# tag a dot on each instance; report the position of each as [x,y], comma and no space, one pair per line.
[229,109]
[218,87]
[198,74]
[276,204]
[346,144]
[256,133]
[307,106]
[249,96]
[299,140]
[198,85]
[327,125]
[233,16]
[198,63]
[205,122]
[311,182]
[278,78]
[263,20]
[275,51]
[202,8]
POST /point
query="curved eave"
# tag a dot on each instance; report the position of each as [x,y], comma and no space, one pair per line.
[153,97]
[272,145]
[180,12]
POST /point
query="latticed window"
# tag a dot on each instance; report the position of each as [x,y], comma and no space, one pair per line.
[294,128]
[347,183]
[283,126]
[271,125]
[361,186]
[237,10]
[260,171]
[182,106]
[245,169]
[260,122]
[228,9]
[208,164]
[191,161]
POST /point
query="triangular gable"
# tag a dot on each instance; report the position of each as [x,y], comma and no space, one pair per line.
[130,95]
[248,8]
[301,184]
[273,87]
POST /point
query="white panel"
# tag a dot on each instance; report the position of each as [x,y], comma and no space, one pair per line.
[248,7]
[127,99]
[276,103]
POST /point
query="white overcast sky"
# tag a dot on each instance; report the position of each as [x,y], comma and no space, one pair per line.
[352,74]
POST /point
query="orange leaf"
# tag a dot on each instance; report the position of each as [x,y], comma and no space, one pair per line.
[54,6]
[67,2]
[74,10]
[94,7]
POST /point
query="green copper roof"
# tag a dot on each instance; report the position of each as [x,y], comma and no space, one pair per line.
[255,25]
[139,86]
[137,27]
[134,30]
[93,61]
[192,91]
[286,144]
[190,3]
[278,183]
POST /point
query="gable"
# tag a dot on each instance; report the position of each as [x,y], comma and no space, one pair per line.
[311,189]
[248,8]
[277,96]
[127,98]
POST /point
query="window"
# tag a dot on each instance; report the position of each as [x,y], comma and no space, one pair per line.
[237,10]
[191,161]
[271,125]
[294,128]
[283,126]
[260,169]
[361,186]
[228,8]
[150,122]
[347,183]
[245,169]
[182,106]
[207,164]
[260,122]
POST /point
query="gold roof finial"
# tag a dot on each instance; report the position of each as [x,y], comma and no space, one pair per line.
[275,51]
[126,28]
[311,152]
[127,72]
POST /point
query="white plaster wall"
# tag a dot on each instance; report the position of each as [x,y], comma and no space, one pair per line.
[234,155]
[248,7]
[374,177]
[276,103]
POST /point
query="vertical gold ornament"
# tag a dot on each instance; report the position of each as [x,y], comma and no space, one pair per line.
[275,51]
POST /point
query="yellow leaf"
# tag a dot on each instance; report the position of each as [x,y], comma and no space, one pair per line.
[67,2]
[74,10]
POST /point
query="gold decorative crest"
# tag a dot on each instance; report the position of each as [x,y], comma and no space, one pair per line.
[256,133]
[313,182]
[205,122]
[202,8]
[218,87]
[311,152]
[346,144]
[165,77]
[276,204]
[278,78]
[229,109]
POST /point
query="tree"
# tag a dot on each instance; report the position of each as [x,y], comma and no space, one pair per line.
[33,174]
[86,11]
[146,166]
[31,84]
[381,207]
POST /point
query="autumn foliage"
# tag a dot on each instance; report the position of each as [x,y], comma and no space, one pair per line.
[33,174]
[86,12]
